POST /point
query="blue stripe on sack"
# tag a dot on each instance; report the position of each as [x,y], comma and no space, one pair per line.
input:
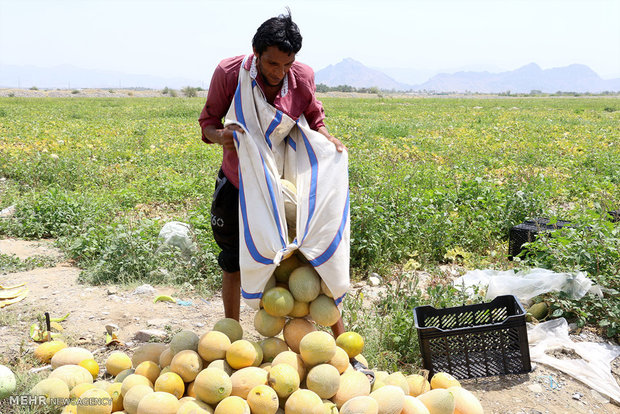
[291,143]
[253,83]
[236,138]
[272,127]
[247,295]
[249,242]
[239,107]
[328,253]
[314,174]
[274,204]
[337,301]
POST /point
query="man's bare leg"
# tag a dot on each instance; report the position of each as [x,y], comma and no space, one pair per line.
[231,294]
[338,328]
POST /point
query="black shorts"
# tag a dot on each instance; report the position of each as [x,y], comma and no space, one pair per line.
[225,222]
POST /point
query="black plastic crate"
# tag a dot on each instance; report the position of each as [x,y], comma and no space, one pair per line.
[472,341]
[527,231]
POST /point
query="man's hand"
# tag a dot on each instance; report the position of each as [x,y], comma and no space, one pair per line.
[224,136]
[339,145]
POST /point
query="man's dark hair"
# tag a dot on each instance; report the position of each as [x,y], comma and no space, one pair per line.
[279,31]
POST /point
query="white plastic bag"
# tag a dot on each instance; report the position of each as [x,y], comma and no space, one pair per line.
[178,234]
[594,367]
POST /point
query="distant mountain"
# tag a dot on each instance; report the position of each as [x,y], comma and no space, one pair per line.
[353,73]
[67,76]
[417,76]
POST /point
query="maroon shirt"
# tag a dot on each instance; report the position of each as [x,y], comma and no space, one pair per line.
[299,99]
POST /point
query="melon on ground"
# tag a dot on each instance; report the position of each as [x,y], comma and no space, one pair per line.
[324,380]
[417,384]
[245,379]
[292,359]
[398,379]
[194,406]
[414,406]
[51,388]
[132,398]
[390,399]
[242,354]
[116,362]
[300,309]
[187,364]
[360,405]
[212,385]
[231,327]
[323,310]
[351,342]
[165,358]
[443,380]
[232,405]
[133,380]
[325,290]
[79,389]
[262,399]
[317,348]
[45,351]
[70,356]
[329,407]
[465,402]
[304,284]
[286,266]
[148,352]
[304,402]
[221,364]
[158,403]
[95,401]
[8,382]
[352,384]
[184,340]
[268,325]
[438,401]
[148,369]
[278,301]
[213,345]
[284,379]
[294,330]
[340,360]
[124,374]
[171,383]
[72,375]
[114,390]
[272,347]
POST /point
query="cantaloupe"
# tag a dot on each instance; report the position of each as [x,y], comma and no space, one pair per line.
[116,362]
[284,379]
[148,352]
[221,364]
[45,351]
[295,330]
[380,377]
[165,358]
[304,402]
[148,369]
[465,402]
[187,364]
[133,380]
[8,383]
[292,359]
[351,342]
[79,389]
[171,383]
[259,354]
[231,327]
[213,345]
[51,388]
[390,399]
[417,384]
[414,406]
[443,380]
[70,356]
[317,348]
[438,401]
[184,340]
[284,269]
[272,347]
[212,385]
[189,390]
[324,380]
[323,310]
[329,407]
[95,401]
[102,384]
[132,398]
[71,408]
[91,366]
[300,309]
[158,403]
[241,354]
[340,360]
[245,379]
[124,374]
[72,375]
[268,325]
[114,390]
[352,384]
[325,290]
[360,405]
[194,406]
[304,284]
[262,399]
[398,379]
[278,301]
[232,405]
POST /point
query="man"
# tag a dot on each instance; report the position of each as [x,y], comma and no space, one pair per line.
[289,86]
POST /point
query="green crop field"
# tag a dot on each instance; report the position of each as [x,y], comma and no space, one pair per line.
[433,182]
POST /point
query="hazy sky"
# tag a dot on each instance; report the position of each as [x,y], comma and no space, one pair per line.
[187,38]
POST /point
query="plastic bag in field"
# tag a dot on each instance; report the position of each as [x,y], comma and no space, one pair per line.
[180,235]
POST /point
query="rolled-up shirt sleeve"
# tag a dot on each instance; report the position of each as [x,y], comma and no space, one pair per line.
[218,100]
[314,112]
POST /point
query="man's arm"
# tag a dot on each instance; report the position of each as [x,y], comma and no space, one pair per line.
[339,145]
[223,136]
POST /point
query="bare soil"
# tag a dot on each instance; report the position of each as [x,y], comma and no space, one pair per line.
[57,291]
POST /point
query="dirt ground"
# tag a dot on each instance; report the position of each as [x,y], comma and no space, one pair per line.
[56,290]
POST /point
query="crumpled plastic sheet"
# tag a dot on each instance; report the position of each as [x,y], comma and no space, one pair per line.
[180,235]
[594,366]
[526,284]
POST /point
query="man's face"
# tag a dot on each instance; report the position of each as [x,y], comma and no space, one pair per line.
[273,64]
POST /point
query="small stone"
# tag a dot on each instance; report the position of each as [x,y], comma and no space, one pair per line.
[146,335]
[46,286]
[116,298]
[536,388]
[135,318]
[91,317]
[43,298]
[7,212]
[577,396]
[112,290]
[199,324]
[144,289]
[374,281]
[105,313]
[55,292]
